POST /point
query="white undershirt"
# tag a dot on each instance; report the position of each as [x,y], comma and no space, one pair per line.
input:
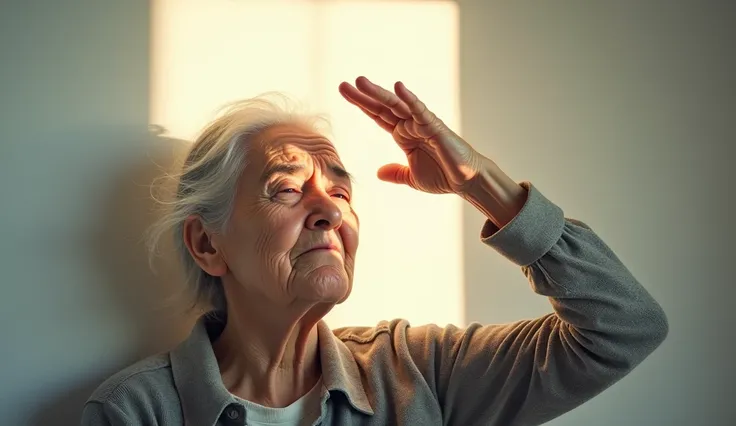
[302,412]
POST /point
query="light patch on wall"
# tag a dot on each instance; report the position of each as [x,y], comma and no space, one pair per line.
[210,52]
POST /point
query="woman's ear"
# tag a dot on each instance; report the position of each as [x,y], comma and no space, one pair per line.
[199,243]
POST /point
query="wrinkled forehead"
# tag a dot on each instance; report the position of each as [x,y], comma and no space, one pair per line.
[282,142]
[292,144]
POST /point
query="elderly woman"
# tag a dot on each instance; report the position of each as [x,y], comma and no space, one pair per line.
[264,221]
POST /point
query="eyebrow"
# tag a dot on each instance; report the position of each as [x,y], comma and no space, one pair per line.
[292,169]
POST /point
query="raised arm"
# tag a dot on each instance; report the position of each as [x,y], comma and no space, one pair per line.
[529,372]
[525,373]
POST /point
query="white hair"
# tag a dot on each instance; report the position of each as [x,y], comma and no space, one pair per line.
[207,182]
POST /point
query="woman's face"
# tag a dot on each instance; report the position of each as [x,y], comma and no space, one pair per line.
[293,233]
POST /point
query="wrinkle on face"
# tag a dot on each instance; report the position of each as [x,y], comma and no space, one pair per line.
[293,197]
[269,232]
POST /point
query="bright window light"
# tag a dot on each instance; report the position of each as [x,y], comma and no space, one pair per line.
[210,52]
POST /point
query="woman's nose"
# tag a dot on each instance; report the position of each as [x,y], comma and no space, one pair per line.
[325,214]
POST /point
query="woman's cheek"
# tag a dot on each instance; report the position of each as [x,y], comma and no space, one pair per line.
[349,233]
[283,231]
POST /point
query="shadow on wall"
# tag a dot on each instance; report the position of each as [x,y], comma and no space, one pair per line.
[149,294]
[147,300]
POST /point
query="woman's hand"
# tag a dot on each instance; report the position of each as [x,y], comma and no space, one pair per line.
[440,161]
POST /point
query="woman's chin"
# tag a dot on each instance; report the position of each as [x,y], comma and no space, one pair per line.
[326,284]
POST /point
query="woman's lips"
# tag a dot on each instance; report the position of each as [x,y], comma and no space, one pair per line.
[324,247]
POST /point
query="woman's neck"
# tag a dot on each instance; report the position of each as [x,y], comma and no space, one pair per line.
[268,359]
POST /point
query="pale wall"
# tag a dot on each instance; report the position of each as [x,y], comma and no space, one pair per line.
[620,112]
[623,113]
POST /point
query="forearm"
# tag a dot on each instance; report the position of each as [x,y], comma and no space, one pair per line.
[590,288]
[495,194]
[605,323]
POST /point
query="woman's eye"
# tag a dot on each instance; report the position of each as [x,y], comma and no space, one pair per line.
[285,194]
[343,196]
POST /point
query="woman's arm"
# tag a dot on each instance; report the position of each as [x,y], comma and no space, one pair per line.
[529,372]
[525,373]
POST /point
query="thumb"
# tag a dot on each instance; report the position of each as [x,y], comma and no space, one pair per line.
[395,173]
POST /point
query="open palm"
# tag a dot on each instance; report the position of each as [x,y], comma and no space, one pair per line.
[439,160]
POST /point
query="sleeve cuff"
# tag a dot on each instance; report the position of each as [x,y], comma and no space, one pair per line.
[531,234]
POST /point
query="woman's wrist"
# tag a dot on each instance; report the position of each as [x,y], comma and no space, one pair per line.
[495,194]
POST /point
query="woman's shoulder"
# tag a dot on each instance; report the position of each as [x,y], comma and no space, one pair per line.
[139,379]
[398,329]
[369,334]
[136,395]
[399,341]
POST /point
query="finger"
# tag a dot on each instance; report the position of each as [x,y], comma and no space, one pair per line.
[382,123]
[367,104]
[421,114]
[387,126]
[384,97]
[359,98]
[395,173]
[403,130]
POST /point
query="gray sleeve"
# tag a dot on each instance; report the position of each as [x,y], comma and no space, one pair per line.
[529,372]
[99,414]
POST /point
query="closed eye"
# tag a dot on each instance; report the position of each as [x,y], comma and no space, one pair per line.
[341,194]
[285,194]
